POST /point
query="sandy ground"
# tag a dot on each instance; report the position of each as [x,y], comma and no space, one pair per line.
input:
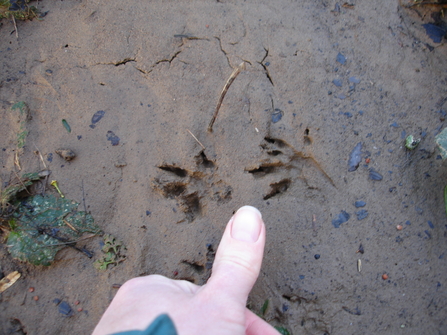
[281,142]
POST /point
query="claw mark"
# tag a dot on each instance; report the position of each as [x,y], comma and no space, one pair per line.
[278,188]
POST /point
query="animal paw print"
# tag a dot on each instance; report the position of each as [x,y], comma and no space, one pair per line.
[190,188]
[284,166]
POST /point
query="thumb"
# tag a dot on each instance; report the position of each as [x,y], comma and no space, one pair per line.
[239,256]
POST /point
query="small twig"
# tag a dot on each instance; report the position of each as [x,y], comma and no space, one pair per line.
[21,182]
[41,157]
[16,161]
[230,80]
[15,26]
[203,147]
[71,242]
[69,225]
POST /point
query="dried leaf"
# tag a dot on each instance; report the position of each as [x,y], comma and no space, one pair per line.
[9,280]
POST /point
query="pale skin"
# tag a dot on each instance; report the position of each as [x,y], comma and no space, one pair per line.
[218,307]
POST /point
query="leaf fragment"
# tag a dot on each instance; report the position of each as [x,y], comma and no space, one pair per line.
[9,280]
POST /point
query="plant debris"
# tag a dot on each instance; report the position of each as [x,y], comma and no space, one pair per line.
[42,225]
[114,251]
[9,280]
[17,9]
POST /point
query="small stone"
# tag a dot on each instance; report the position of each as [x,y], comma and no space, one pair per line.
[66,154]
[36,297]
[354,80]
[341,59]
[362,214]
[337,82]
[399,227]
[80,309]
[31,290]
[384,276]
[360,203]
[77,302]
[317,256]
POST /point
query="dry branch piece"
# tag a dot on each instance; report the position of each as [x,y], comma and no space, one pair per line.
[230,80]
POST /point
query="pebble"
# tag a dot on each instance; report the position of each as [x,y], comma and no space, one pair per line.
[354,80]
[341,59]
[430,224]
[65,309]
[355,157]
[49,72]
[435,32]
[36,297]
[96,117]
[384,276]
[399,227]
[337,82]
[31,290]
[342,218]
[66,154]
[374,175]
[362,214]
[115,140]
[360,203]
[80,309]
[277,115]
[317,256]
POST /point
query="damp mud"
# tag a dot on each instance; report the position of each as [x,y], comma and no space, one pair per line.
[134,81]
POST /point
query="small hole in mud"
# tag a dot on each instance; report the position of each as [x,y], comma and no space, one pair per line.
[190,205]
[306,132]
[175,170]
[203,160]
[276,141]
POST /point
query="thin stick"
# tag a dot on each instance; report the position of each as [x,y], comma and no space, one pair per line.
[15,26]
[230,80]
[69,225]
[203,147]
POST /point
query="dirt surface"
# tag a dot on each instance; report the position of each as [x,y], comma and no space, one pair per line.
[281,142]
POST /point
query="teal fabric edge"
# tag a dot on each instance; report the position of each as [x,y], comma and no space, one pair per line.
[162,325]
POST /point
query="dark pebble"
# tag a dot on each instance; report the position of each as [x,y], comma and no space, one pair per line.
[317,256]
[408,223]
[360,203]
[348,114]
[435,32]
[56,301]
[427,233]
[430,224]
[277,115]
[115,140]
[50,157]
[285,308]
[79,137]
[362,214]
[354,80]
[337,82]
[399,239]
[374,175]
[148,213]
[65,309]
[96,117]
[394,125]
[341,59]
[342,218]
[49,72]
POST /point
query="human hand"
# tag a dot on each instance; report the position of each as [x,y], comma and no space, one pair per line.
[218,307]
